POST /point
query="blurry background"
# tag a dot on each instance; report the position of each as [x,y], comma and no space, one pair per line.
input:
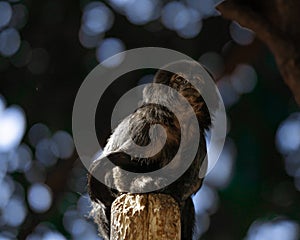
[46,50]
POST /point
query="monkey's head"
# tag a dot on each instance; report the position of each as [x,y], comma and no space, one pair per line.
[179,76]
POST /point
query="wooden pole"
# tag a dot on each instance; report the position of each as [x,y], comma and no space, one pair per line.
[145,217]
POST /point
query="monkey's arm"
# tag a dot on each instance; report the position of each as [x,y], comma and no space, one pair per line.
[133,129]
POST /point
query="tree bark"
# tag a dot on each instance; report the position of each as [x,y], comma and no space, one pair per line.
[145,217]
[276,23]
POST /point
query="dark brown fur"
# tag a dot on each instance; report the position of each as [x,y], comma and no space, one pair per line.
[136,126]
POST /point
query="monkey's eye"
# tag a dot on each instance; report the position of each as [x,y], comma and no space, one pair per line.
[184,81]
[179,82]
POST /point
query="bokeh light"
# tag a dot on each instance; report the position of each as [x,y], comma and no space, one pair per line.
[78,226]
[97,18]
[2,104]
[297,178]
[202,222]
[38,132]
[120,3]
[10,42]
[77,180]
[288,144]
[191,30]
[46,152]
[12,127]
[22,56]
[213,62]
[206,200]
[205,7]
[14,212]
[51,235]
[288,134]
[241,35]
[36,172]
[244,78]
[84,205]
[221,174]
[275,230]
[206,203]
[39,197]
[3,165]
[241,81]
[89,41]
[228,93]
[185,20]
[169,13]
[19,17]
[70,216]
[5,13]
[64,144]
[141,11]
[45,230]
[7,187]
[20,159]
[109,47]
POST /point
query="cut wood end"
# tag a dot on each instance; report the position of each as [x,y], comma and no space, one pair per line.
[145,216]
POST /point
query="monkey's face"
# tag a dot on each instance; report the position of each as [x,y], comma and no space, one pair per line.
[181,82]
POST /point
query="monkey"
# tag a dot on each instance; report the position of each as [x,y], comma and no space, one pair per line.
[136,126]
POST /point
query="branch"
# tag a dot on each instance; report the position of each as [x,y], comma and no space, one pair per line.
[285,49]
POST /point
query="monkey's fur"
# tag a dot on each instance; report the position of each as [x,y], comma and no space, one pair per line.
[136,126]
